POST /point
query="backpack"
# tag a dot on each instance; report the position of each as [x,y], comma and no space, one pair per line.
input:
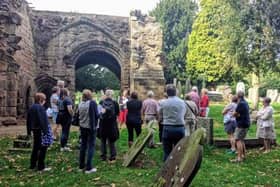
[109,107]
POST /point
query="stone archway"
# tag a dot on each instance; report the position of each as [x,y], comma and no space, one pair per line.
[44,84]
[101,53]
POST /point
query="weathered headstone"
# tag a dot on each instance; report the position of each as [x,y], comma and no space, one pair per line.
[179,88]
[240,87]
[215,96]
[139,144]
[272,94]
[225,90]
[207,124]
[183,162]
[188,86]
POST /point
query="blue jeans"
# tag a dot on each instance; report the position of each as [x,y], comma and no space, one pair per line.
[54,116]
[88,138]
[170,137]
[65,132]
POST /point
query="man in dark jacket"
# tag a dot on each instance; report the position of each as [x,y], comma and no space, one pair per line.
[108,126]
[243,124]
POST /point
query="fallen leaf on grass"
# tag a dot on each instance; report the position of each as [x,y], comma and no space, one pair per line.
[96,179]
[276,160]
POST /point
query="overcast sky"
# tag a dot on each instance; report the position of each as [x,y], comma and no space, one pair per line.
[107,7]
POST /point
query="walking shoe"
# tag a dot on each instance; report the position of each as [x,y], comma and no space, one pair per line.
[112,160]
[93,170]
[45,169]
[65,149]
[231,152]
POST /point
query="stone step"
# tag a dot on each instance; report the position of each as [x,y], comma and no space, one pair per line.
[21,144]
[19,150]
[252,143]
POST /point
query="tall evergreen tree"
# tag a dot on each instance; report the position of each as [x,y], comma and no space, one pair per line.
[176,18]
[213,43]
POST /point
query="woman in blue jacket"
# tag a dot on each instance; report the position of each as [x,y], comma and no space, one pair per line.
[37,122]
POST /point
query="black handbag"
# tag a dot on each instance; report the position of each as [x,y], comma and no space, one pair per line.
[75,119]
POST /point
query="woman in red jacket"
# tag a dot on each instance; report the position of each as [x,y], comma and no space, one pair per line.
[204,103]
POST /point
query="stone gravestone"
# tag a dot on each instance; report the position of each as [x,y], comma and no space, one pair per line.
[21,144]
[215,96]
[207,124]
[188,86]
[179,88]
[240,87]
[139,144]
[272,94]
[225,90]
[251,94]
[183,162]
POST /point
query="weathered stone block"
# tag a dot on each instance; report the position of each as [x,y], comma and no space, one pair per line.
[11,111]
[206,123]
[9,121]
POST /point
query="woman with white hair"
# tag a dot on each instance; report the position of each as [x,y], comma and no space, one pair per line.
[265,124]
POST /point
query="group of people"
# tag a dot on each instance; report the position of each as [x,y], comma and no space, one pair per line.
[102,119]
[237,123]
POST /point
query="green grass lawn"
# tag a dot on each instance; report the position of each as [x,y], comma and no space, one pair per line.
[216,170]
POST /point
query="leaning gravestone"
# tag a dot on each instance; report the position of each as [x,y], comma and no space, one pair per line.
[240,87]
[139,144]
[183,162]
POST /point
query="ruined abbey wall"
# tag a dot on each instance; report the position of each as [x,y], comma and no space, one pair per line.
[37,48]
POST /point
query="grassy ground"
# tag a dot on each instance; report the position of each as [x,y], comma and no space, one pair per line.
[216,170]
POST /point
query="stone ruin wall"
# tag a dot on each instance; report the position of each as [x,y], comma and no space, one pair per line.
[146,55]
[59,35]
[17,60]
[39,47]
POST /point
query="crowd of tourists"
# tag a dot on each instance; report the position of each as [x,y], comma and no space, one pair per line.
[105,118]
[237,122]
[176,119]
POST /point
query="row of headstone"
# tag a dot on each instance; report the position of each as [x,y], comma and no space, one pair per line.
[273,94]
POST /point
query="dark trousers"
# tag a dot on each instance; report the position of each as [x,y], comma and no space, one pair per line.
[160,131]
[112,147]
[65,133]
[171,135]
[130,128]
[87,144]
[38,154]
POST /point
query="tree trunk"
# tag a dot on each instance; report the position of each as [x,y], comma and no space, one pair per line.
[256,86]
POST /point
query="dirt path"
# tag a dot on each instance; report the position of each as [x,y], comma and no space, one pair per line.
[15,130]
[12,130]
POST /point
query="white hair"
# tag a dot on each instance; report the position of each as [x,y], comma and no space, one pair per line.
[150,93]
[109,93]
[194,88]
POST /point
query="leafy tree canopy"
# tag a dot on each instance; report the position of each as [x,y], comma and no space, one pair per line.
[176,18]
[96,77]
[213,43]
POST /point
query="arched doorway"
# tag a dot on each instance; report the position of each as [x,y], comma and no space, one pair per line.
[100,70]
